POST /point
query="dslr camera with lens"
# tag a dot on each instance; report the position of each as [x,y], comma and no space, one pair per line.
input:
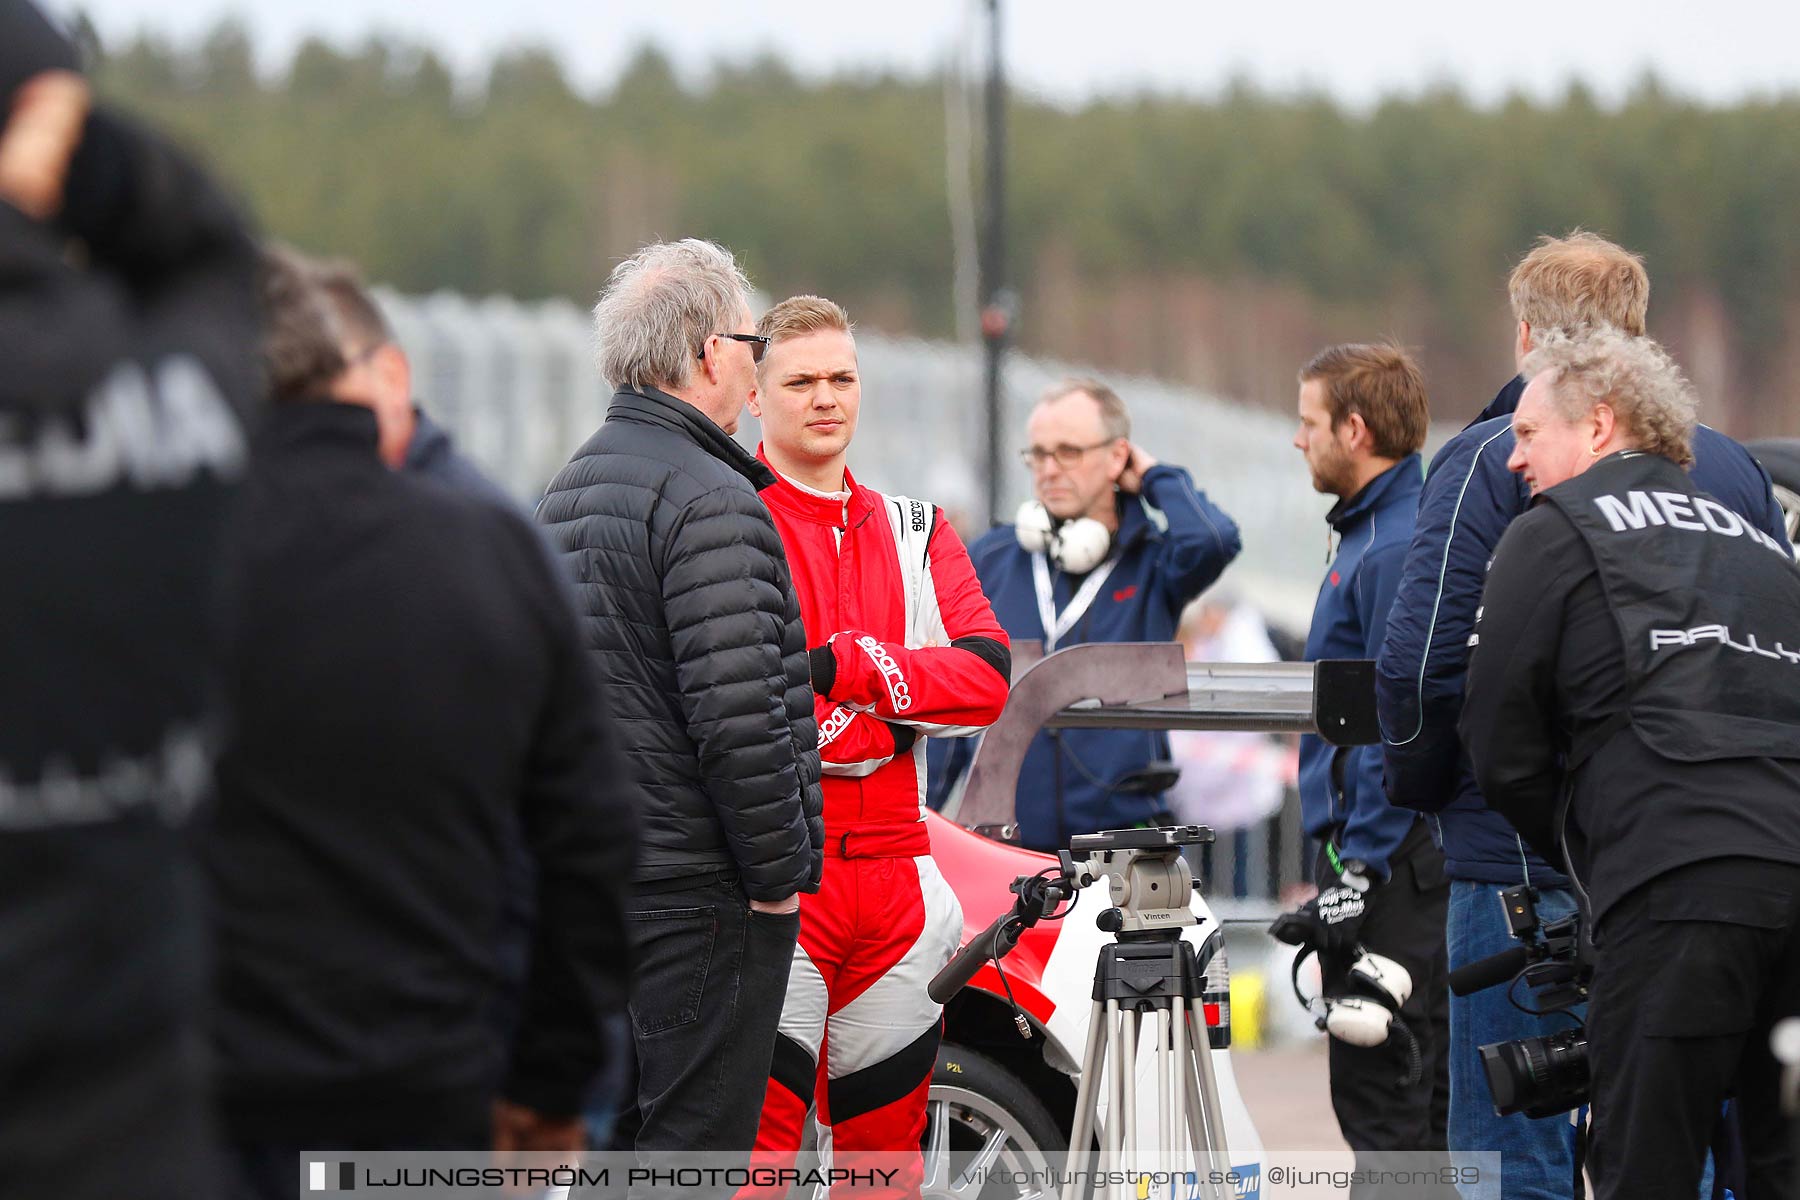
[1546,1075]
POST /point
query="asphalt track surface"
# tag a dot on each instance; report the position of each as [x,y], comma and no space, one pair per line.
[1288,1093]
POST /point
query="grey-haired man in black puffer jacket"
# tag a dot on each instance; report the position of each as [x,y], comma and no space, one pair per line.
[692,618]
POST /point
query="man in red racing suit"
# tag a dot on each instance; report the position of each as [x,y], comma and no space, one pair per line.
[905,647]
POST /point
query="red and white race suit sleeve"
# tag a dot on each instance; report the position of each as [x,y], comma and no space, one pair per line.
[855,744]
[956,685]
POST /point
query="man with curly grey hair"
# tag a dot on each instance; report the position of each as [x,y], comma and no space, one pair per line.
[1566,285]
[692,618]
[1605,376]
[1633,709]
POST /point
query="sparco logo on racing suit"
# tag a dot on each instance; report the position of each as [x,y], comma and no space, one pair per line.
[884,662]
[833,725]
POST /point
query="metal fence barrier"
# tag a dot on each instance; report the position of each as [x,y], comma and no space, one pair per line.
[518,387]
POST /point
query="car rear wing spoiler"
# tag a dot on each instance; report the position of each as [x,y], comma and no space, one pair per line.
[1149,685]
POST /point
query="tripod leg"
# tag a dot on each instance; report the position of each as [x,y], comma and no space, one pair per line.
[1209,1090]
[1087,1095]
[1128,1125]
[1109,1132]
[1164,1078]
[1197,1130]
[1182,1114]
[1206,1099]
[1190,1066]
[1205,1137]
[1120,1076]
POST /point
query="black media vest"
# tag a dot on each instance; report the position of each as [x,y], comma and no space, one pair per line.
[1708,610]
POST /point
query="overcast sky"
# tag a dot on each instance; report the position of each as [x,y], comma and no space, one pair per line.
[1070,50]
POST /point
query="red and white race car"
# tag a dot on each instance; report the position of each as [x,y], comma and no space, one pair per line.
[998,1098]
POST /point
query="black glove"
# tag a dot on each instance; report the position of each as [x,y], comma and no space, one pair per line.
[1340,911]
[1332,921]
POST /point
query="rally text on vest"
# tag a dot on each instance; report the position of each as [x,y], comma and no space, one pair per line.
[1698,514]
[1721,634]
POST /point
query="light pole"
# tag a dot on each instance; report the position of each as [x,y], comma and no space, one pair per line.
[997,300]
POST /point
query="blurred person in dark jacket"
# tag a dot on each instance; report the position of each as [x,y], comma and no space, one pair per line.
[408,439]
[407,436]
[690,610]
[1632,709]
[1581,281]
[127,371]
[409,694]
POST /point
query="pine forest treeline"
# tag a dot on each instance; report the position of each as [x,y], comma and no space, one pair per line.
[1216,241]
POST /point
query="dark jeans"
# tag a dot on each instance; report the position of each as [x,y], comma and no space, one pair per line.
[1537,1155]
[1695,968]
[1377,1110]
[711,978]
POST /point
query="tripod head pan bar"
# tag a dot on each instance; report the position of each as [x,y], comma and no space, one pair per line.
[1084,845]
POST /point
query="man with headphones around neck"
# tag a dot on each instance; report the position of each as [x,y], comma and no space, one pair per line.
[1111,548]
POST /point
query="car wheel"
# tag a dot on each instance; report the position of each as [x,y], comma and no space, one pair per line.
[1780,457]
[980,1118]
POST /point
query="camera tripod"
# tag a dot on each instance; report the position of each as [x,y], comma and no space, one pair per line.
[1160,976]
[1149,971]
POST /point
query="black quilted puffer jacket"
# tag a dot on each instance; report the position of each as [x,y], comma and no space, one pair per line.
[690,612]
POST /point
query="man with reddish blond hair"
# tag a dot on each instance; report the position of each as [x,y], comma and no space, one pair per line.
[904,646]
[1579,283]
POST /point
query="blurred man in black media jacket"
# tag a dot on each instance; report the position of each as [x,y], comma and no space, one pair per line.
[408,683]
[125,375]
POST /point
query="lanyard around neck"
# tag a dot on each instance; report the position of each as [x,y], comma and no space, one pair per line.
[1056,626]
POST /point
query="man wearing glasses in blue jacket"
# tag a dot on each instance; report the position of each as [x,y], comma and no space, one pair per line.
[1112,546]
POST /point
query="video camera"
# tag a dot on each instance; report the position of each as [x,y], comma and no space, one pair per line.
[1546,1075]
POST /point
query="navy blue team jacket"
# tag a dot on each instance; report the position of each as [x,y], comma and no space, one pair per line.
[1173,543]
[1373,528]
